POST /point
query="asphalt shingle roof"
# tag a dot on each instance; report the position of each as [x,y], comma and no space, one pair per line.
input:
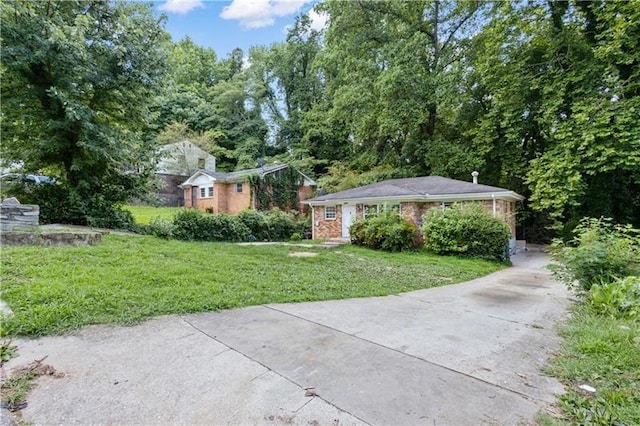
[411,187]
[234,176]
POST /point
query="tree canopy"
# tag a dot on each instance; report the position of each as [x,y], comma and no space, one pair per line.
[77,77]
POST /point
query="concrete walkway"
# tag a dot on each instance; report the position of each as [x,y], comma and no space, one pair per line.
[469,353]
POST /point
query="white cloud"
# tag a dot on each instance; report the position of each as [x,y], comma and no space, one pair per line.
[181,7]
[260,13]
[318,20]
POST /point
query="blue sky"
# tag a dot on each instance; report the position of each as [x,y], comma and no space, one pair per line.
[225,24]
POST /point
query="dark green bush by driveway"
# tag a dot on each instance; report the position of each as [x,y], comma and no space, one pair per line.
[467,230]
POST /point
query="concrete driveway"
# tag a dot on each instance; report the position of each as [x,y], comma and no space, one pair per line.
[469,353]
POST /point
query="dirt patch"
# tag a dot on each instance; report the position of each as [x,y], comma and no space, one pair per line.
[16,387]
[303,254]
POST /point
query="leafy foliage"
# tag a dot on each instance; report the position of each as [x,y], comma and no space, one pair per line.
[193,225]
[77,78]
[618,299]
[249,225]
[468,230]
[278,189]
[600,252]
[385,231]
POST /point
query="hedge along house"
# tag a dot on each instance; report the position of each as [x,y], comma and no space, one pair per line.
[263,188]
[333,214]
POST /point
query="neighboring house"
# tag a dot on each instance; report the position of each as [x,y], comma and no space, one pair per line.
[333,214]
[178,161]
[235,191]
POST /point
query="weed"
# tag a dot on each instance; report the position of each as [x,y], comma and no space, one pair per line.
[16,388]
[7,351]
[603,352]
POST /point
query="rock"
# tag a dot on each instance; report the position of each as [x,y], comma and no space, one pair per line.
[11,201]
[587,388]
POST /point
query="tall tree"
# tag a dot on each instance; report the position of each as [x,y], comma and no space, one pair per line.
[77,78]
[555,94]
[393,72]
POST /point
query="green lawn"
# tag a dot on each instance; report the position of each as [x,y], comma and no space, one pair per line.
[604,353]
[126,279]
[144,214]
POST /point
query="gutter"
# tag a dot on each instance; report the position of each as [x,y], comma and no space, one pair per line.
[507,195]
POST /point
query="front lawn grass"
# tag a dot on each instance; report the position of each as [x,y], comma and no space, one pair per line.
[126,279]
[603,353]
[142,215]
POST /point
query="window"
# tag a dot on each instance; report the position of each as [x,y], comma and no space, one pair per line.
[239,187]
[329,212]
[206,191]
[373,209]
[201,163]
[446,205]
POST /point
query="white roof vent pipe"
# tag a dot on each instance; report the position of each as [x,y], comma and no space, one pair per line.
[475,176]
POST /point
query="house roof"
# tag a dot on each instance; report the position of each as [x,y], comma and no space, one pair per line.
[241,175]
[424,188]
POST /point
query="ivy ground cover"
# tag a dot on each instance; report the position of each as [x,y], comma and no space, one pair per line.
[126,279]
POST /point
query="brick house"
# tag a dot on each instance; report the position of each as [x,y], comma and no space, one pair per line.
[176,162]
[233,192]
[333,214]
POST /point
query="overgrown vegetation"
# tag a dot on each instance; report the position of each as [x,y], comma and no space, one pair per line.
[602,352]
[602,346]
[466,230]
[600,252]
[126,279]
[385,231]
[248,225]
[278,189]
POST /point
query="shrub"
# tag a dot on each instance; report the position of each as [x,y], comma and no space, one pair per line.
[385,231]
[599,253]
[468,229]
[224,227]
[281,225]
[617,299]
[159,227]
[257,223]
[247,226]
[187,225]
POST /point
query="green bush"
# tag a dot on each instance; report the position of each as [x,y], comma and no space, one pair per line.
[599,253]
[281,225]
[59,204]
[248,225]
[385,231]
[468,230]
[617,299]
[224,227]
[257,223]
[158,227]
[187,224]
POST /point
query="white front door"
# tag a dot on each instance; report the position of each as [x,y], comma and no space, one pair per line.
[348,217]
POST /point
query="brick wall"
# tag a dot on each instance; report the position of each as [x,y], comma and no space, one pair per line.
[327,229]
[413,212]
[304,193]
[232,201]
